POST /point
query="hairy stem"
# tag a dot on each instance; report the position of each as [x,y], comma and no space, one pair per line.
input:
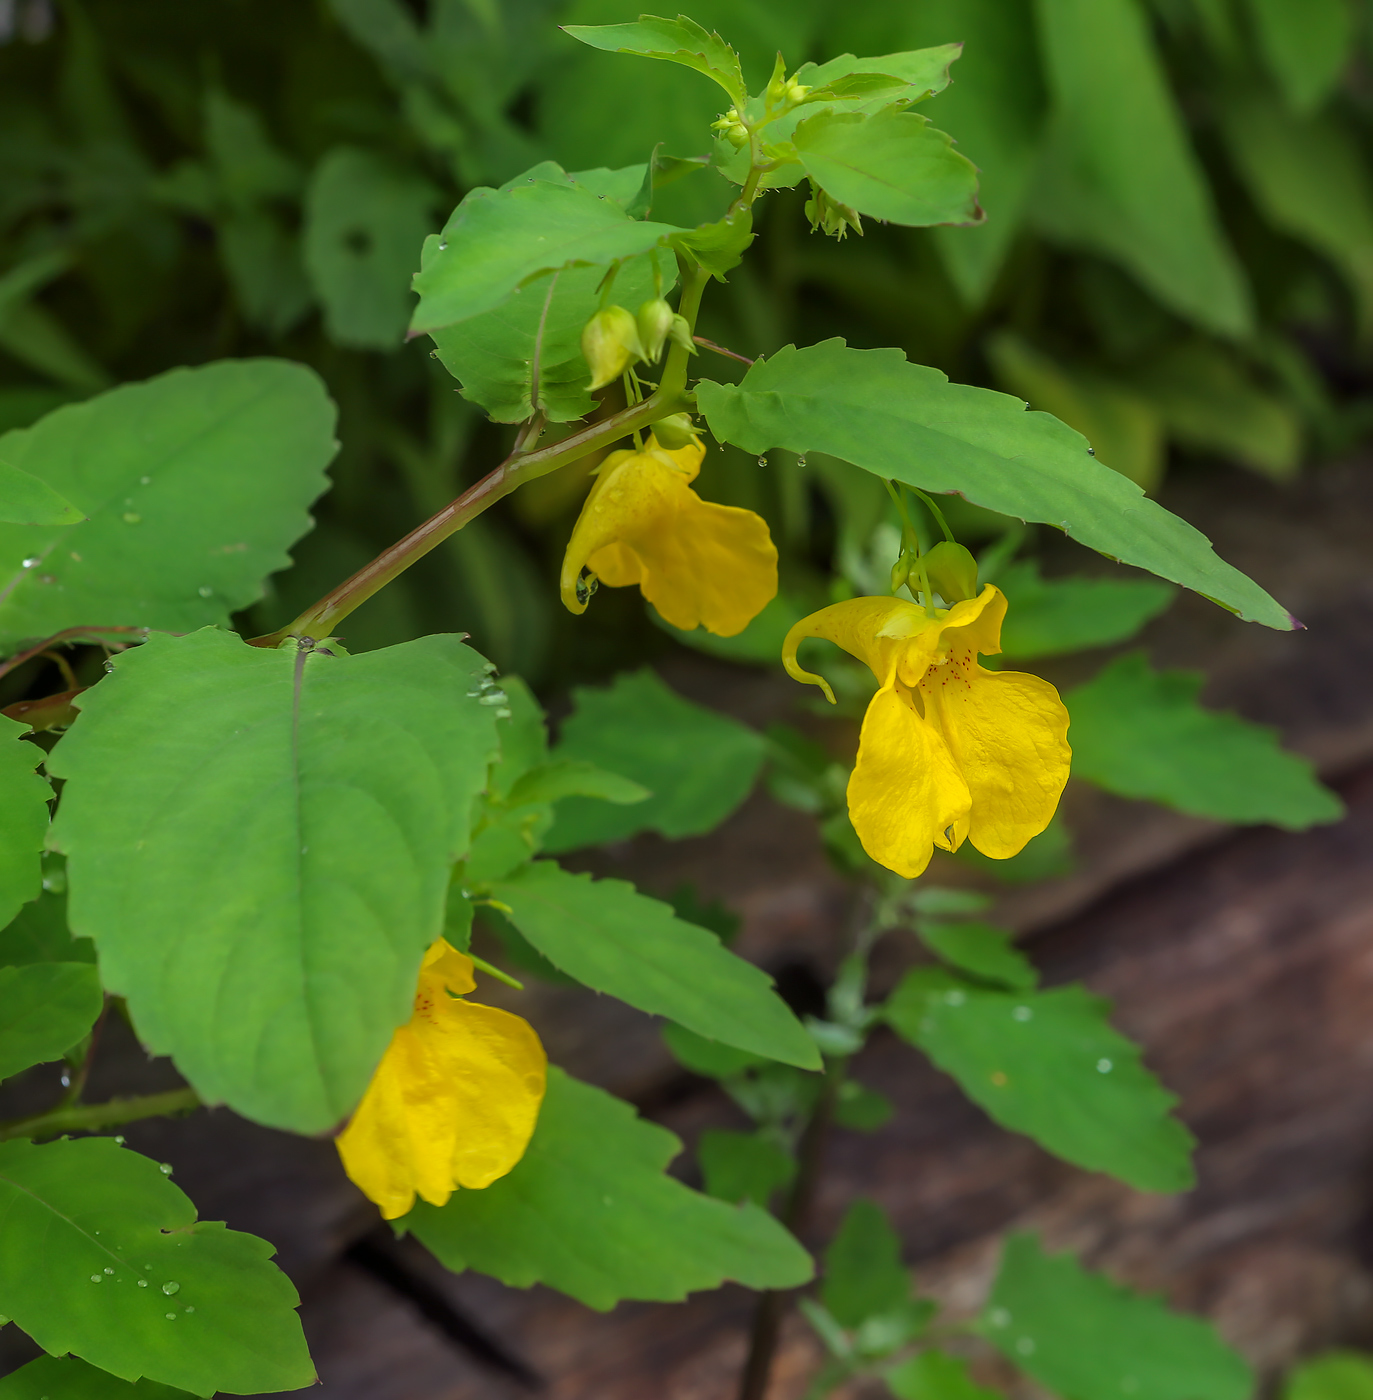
[92,1117]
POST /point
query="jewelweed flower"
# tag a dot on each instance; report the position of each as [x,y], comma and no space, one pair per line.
[698,563]
[949,751]
[454,1100]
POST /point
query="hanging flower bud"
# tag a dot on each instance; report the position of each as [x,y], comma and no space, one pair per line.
[655,325]
[952,572]
[795,93]
[731,128]
[830,216]
[680,334]
[900,572]
[610,343]
[676,432]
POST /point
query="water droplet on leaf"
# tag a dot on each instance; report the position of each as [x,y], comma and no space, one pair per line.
[97,1278]
[1022,1013]
[33,561]
[205,590]
[166,1169]
[142,1283]
[108,1270]
[171,1317]
[131,519]
[170,1288]
[1104,1066]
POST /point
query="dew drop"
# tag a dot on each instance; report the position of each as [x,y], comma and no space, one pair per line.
[762,461]
[171,1317]
[205,590]
[66,1080]
[1025,1346]
[166,1169]
[97,1278]
[108,1270]
[170,1288]
[999,1317]
[142,1283]
[33,561]
[131,519]
[119,1139]
[187,1309]
[144,480]
[801,462]
[1022,1013]
[1104,1066]
[1091,451]
[955,998]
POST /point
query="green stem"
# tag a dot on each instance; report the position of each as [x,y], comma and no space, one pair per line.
[934,511]
[92,1117]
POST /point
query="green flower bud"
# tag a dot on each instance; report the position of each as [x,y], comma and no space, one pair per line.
[675,431]
[655,325]
[952,571]
[610,342]
[680,334]
[830,216]
[732,129]
[900,572]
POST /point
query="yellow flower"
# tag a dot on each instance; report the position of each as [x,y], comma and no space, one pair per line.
[949,751]
[698,563]
[454,1100]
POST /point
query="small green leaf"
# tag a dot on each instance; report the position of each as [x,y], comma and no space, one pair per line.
[104,1258]
[24,797]
[698,764]
[679,40]
[860,1109]
[1336,1375]
[1305,47]
[1142,733]
[1086,1338]
[1048,1064]
[864,1276]
[589,1210]
[1047,617]
[935,1375]
[893,166]
[195,483]
[615,940]
[574,777]
[986,952]
[497,241]
[69,1378]
[365,219]
[48,1007]
[310,807]
[743,1166]
[908,423]
[707,1058]
[24,500]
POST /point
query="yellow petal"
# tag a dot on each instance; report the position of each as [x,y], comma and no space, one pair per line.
[906,794]
[1007,732]
[875,630]
[972,626]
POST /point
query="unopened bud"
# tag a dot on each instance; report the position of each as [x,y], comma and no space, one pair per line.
[731,128]
[952,571]
[900,573]
[610,342]
[675,431]
[655,325]
[795,92]
[830,216]
[680,334]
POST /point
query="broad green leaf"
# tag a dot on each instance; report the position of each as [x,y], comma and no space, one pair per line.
[69,1378]
[1086,1338]
[903,421]
[698,764]
[1047,617]
[707,1057]
[935,1375]
[262,882]
[679,40]
[104,1258]
[987,952]
[495,356]
[24,500]
[864,1276]
[24,797]
[497,241]
[45,1008]
[1335,1375]
[893,166]
[1048,1064]
[615,940]
[1142,733]
[196,483]
[590,1211]
[743,1166]
[1119,175]
[365,219]
[1305,46]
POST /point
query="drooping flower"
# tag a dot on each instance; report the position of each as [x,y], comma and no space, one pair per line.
[698,563]
[949,751]
[454,1100]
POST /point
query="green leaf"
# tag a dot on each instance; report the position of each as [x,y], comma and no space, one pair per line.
[39,934]
[679,40]
[573,777]
[196,483]
[100,1247]
[72,1379]
[1047,617]
[589,1210]
[860,1109]
[707,1057]
[523,738]
[743,1166]
[760,642]
[262,259]
[24,500]
[1042,858]
[48,1007]
[365,219]
[1048,1064]
[1306,47]
[864,1276]
[263,881]
[698,764]
[903,421]
[1086,1338]
[615,940]
[1336,1375]
[1119,175]
[987,952]
[24,798]
[1142,733]
[499,240]
[893,166]
[935,1375]
[494,356]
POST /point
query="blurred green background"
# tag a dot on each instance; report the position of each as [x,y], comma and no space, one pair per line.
[1177,257]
